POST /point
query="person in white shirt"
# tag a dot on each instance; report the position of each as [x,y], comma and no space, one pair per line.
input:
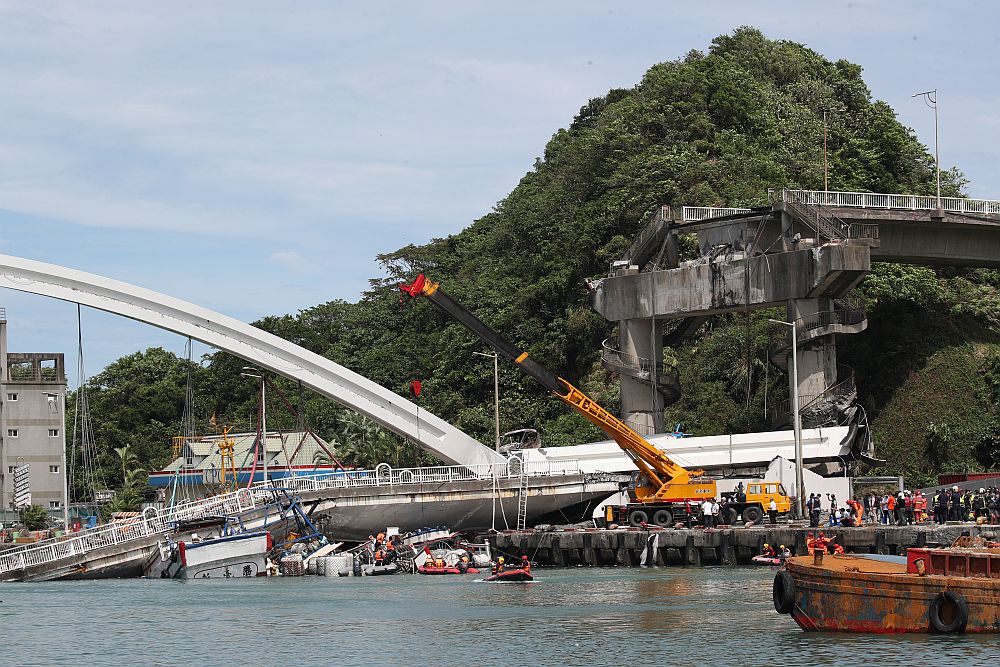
[772,511]
[706,513]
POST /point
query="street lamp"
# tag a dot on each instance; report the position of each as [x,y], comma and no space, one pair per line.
[930,99]
[263,415]
[796,423]
[496,393]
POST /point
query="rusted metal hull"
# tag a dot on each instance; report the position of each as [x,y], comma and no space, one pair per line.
[855,594]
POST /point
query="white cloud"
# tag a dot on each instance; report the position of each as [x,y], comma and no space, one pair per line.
[292,262]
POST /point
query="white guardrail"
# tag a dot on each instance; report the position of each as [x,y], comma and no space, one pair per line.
[858,200]
[154,522]
[699,213]
[892,201]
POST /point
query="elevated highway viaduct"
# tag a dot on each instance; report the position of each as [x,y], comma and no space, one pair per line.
[806,251]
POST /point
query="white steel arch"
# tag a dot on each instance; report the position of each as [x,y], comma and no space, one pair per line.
[253,345]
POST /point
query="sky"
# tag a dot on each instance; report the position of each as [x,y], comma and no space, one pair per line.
[255,157]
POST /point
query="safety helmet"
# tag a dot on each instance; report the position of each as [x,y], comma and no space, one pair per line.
[782,546]
[766,544]
[500,560]
[524,558]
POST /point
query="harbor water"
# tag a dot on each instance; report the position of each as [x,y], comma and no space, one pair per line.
[606,617]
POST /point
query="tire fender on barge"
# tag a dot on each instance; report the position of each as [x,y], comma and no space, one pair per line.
[949,613]
[783,592]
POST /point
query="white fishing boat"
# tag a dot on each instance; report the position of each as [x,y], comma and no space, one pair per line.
[233,556]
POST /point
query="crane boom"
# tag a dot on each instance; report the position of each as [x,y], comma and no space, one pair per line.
[662,472]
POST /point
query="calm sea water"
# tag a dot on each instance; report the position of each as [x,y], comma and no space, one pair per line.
[605,617]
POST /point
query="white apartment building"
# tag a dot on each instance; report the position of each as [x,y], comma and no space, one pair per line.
[32,424]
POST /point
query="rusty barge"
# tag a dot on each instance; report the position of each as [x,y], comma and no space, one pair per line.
[946,590]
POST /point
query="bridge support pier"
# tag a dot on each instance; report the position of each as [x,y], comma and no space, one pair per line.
[641,403]
[817,358]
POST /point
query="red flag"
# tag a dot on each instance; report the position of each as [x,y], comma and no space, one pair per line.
[415,388]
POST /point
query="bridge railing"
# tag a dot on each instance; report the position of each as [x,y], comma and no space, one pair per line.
[51,550]
[896,201]
[159,521]
[699,213]
[261,493]
[385,475]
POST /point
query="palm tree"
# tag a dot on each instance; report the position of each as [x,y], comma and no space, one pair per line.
[127,458]
[34,517]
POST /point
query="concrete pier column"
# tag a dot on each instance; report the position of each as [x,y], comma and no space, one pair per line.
[557,553]
[641,403]
[817,358]
[589,555]
[727,553]
[787,232]
[692,554]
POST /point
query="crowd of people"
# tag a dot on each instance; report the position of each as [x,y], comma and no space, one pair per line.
[906,507]
[970,505]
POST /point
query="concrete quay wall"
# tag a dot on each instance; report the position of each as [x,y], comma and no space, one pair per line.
[696,546]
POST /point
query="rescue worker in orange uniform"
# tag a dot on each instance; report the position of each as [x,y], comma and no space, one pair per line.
[525,565]
[920,506]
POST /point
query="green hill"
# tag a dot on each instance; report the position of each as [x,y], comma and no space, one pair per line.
[712,128]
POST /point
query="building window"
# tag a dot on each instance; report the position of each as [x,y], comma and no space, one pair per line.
[10,469]
[53,504]
[53,433]
[11,397]
[12,433]
[53,468]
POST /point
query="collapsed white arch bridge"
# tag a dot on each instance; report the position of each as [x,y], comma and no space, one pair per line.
[251,344]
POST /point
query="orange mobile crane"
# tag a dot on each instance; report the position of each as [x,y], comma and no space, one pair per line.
[663,490]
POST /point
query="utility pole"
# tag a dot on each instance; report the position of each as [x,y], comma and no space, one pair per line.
[796,422]
[496,395]
[930,99]
[263,415]
[826,169]
[65,470]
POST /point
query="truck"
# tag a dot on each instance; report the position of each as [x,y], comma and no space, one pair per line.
[663,490]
